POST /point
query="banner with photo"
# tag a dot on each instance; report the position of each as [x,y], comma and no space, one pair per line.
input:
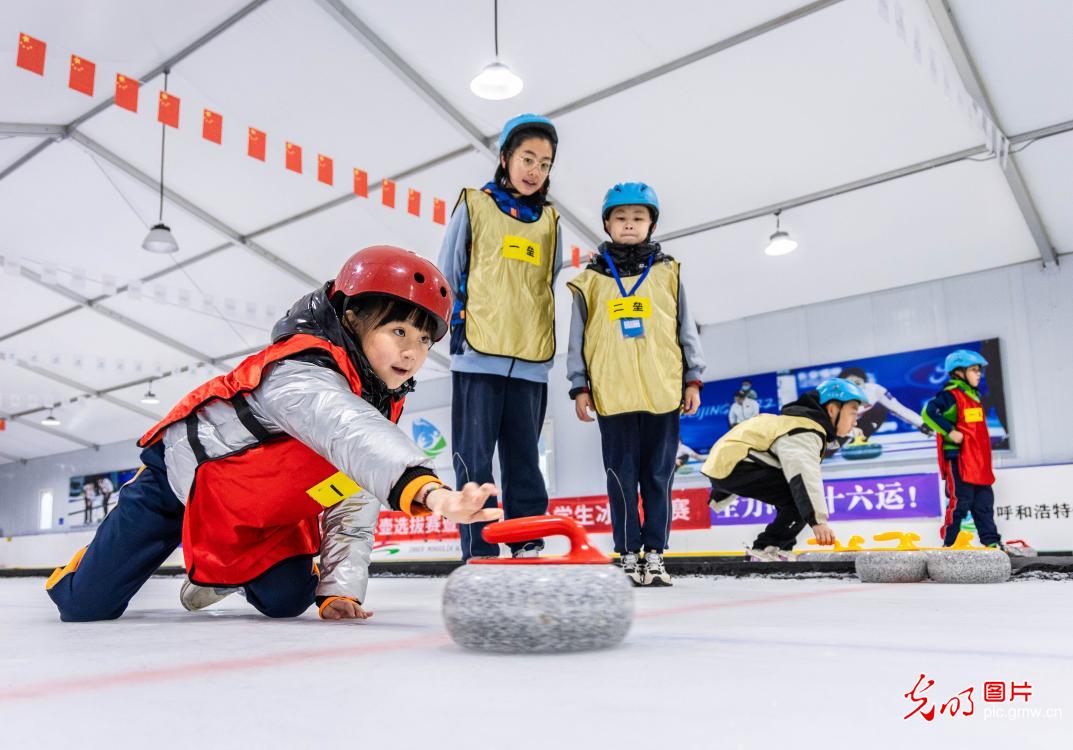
[91,497]
[890,428]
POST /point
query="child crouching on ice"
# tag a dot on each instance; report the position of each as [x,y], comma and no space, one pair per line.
[243,469]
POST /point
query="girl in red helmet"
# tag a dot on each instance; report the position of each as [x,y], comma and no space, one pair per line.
[281,459]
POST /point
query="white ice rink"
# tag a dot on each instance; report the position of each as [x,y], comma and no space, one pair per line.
[709,663]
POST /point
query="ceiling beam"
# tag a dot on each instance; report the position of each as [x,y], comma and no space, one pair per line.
[32,129]
[696,56]
[197,212]
[167,64]
[104,395]
[54,431]
[24,158]
[970,77]
[380,49]
[894,174]
[10,457]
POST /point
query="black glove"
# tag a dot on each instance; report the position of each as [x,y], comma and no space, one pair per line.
[926,430]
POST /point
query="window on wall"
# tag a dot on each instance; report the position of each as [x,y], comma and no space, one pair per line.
[46,509]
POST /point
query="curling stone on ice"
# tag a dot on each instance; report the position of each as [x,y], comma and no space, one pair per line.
[964,563]
[577,602]
[905,564]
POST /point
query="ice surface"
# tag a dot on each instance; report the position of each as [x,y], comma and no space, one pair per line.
[709,663]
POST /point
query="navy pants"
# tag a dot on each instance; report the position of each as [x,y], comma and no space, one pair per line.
[639,451]
[768,485]
[135,538]
[487,410]
[963,497]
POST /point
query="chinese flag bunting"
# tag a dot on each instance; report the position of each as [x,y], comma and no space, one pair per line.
[82,75]
[126,92]
[575,256]
[325,169]
[256,145]
[294,157]
[212,126]
[168,110]
[413,202]
[439,211]
[361,183]
[387,193]
[31,54]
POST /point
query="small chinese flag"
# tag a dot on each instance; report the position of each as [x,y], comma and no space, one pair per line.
[126,92]
[575,256]
[31,54]
[294,157]
[361,183]
[325,169]
[413,202]
[387,193]
[168,110]
[3,425]
[439,211]
[82,74]
[256,145]
[212,126]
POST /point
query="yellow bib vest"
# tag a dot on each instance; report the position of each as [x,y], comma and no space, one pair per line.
[755,434]
[632,374]
[510,307]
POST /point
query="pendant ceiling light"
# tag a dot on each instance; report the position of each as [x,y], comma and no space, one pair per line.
[160,238]
[496,81]
[50,420]
[150,397]
[780,243]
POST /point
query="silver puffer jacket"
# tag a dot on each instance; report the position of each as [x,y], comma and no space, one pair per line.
[315,405]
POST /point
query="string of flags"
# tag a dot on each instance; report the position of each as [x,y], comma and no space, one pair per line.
[247,312]
[82,78]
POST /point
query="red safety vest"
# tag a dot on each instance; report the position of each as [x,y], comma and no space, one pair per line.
[974,454]
[248,510]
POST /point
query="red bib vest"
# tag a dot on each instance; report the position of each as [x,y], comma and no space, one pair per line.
[248,510]
[974,456]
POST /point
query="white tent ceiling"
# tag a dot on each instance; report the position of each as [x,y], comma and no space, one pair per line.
[782,103]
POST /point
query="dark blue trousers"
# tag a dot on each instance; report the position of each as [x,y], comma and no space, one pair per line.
[136,537]
[639,451]
[487,410]
[963,497]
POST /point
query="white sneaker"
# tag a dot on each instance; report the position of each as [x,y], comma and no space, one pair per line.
[194,597]
[631,566]
[720,505]
[529,550]
[655,574]
[768,554]
[1016,548]
[785,555]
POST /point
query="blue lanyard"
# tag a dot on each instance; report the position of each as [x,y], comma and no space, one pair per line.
[618,279]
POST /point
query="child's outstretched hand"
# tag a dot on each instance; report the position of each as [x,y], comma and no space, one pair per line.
[583,405]
[956,436]
[691,400]
[465,505]
[823,534]
[345,609]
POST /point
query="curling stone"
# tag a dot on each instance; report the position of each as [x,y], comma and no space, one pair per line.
[577,602]
[969,565]
[861,451]
[894,566]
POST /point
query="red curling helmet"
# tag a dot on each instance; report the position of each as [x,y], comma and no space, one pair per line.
[395,272]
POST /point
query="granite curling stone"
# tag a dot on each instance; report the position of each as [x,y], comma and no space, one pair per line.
[969,566]
[578,602]
[892,567]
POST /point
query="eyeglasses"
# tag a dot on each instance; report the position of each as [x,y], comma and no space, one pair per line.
[529,162]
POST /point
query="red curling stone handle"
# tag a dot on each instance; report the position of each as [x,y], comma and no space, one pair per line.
[537,527]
